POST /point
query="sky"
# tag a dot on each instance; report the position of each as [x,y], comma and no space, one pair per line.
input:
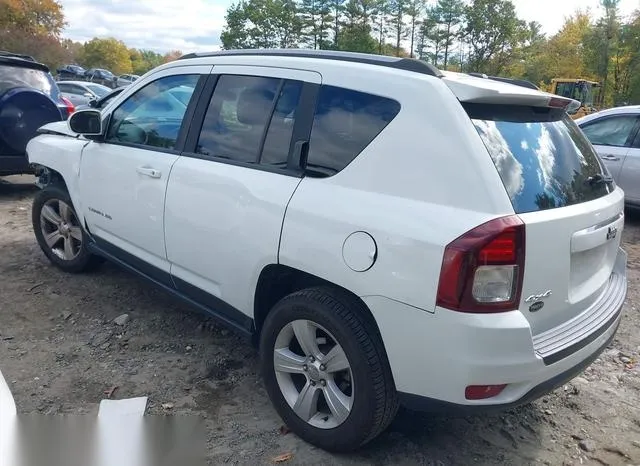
[195,25]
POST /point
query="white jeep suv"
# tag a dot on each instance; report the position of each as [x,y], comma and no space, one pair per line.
[385,232]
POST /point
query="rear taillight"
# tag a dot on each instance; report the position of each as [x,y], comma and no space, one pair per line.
[482,270]
[70,107]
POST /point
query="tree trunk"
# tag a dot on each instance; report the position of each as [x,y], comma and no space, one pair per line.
[398,34]
[446,43]
[413,32]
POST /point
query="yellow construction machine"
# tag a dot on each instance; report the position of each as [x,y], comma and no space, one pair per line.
[582,90]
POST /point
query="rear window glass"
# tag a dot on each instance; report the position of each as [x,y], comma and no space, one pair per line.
[17,76]
[542,157]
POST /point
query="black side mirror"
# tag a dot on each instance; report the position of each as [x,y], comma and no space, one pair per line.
[93,103]
[86,122]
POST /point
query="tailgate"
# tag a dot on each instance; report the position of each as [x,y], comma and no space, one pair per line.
[571,254]
[573,215]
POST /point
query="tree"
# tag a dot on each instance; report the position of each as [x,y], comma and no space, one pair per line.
[355,35]
[380,24]
[337,10]
[109,53]
[262,24]
[493,30]
[398,10]
[36,17]
[172,56]
[316,22]
[448,14]
[564,55]
[415,8]
[610,23]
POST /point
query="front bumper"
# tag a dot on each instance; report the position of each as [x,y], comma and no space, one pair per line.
[435,356]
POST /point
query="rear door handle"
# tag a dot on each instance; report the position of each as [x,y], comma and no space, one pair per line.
[150,172]
[610,157]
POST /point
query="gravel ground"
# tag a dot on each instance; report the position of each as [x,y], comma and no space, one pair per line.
[60,349]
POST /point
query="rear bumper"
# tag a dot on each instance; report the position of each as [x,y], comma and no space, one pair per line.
[14,165]
[423,403]
[435,356]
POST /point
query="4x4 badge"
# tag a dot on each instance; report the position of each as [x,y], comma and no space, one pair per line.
[538,297]
[612,233]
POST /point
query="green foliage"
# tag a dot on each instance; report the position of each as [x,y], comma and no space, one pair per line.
[448,15]
[110,53]
[317,20]
[262,24]
[494,32]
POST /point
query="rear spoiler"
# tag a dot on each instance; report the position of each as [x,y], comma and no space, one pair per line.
[483,90]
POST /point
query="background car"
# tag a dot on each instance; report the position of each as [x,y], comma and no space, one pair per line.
[126,79]
[80,92]
[29,98]
[101,76]
[99,104]
[70,72]
[615,134]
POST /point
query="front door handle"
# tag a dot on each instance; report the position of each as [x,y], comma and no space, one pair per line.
[610,157]
[150,172]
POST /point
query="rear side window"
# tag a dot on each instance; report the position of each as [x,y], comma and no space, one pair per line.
[250,120]
[542,157]
[345,122]
[18,76]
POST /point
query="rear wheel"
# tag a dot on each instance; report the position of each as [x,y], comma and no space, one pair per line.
[325,369]
[59,232]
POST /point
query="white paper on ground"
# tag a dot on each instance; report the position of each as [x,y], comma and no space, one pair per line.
[126,407]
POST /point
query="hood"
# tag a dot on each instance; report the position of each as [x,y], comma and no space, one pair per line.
[57,127]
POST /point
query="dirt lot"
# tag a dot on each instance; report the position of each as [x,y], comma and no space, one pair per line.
[60,350]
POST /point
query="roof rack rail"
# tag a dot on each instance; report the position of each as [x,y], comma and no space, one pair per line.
[406,64]
[515,82]
[4,53]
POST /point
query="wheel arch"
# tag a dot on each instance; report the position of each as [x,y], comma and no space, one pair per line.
[277,281]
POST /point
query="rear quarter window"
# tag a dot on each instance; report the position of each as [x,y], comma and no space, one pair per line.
[543,158]
[345,122]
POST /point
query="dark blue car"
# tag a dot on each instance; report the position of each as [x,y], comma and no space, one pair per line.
[29,98]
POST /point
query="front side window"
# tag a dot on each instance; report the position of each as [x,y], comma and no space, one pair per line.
[249,116]
[345,122]
[153,115]
[612,131]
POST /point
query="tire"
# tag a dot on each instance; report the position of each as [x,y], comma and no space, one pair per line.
[367,400]
[66,246]
[22,112]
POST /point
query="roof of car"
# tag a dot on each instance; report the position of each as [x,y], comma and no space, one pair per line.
[633,109]
[406,64]
[24,61]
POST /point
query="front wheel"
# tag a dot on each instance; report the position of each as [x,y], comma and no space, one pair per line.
[59,232]
[326,370]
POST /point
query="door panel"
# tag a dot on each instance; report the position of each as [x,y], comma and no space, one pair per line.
[226,200]
[123,179]
[223,226]
[123,206]
[630,176]
[613,159]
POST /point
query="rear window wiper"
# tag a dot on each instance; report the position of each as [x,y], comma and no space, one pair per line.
[599,179]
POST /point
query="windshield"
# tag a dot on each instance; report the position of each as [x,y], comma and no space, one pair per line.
[542,157]
[98,89]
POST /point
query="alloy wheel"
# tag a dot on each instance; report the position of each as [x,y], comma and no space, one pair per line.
[313,374]
[61,229]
